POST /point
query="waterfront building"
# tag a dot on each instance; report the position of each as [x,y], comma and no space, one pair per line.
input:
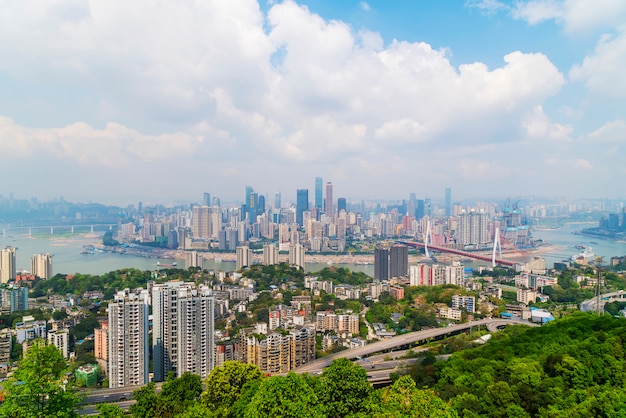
[296,255]
[398,261]
[7,264]
[381,263]
[128,339]
[41,265]
[243,257]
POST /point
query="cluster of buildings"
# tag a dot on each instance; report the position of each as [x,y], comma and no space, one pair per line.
[323,223]
[40,265]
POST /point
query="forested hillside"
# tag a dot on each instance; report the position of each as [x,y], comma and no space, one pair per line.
[573,367]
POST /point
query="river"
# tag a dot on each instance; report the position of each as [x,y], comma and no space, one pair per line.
[67,257]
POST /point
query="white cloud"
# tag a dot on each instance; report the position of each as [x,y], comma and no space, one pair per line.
[611,132]
[583,164]
[575,15]
[486,7]
[366,7]
[113,146]
[227,89]
[538,126]
[602,72]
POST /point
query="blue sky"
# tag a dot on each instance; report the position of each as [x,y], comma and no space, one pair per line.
[161,101]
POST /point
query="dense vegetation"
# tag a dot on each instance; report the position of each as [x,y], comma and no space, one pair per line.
[342,390]
[108,283]
[573,367]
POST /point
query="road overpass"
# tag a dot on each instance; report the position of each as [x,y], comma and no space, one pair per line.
[597,304]
[405,340]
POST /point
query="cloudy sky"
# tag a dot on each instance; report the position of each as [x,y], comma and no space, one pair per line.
[160,101]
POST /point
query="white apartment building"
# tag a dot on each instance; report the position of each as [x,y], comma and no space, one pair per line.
[182,329]
[128,339]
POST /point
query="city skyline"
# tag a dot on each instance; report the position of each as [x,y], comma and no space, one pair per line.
[113,102]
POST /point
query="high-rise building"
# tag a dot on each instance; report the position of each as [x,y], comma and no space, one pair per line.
[128,339]
[302,204]
[381,263]
[448,202]
[183,327]
[330,205]
[398,261]
[101,342]
[472,229]
[201,222]
[277,201]
[420,210]
[319,198]
[341,204]
[7,264]
[196,322]
[296,255]
[206,201]
[244,257]
[270,254]
[18,298]
[41,265]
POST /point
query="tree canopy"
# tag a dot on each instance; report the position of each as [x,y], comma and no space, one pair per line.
[40,386]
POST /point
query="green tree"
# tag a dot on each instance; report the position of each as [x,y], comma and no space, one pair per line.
[284,396]
[404,400]
[39,387]
[224,384]
[178,394]
[146,404]
[344,389]
[108,410]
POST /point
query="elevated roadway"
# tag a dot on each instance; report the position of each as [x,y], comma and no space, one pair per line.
[467,254]
[405,340]
[597,304]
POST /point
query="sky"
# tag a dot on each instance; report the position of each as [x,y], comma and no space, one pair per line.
[159,101]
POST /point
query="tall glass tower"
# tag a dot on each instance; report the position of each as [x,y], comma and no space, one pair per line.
[302,204]
[319,198]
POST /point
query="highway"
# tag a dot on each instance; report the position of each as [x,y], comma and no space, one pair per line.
[591,305]
[404,340]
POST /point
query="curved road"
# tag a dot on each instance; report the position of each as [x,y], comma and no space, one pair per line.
[404,339]
[590,305]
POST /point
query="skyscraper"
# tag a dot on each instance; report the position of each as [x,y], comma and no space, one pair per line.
[244,257]
[201,222]
[7,264]
[277,201]
[296,255]
[319,198]
[206,201]
[330,206]
[419,209]
[381,263]
[183,327]
[302,204]
[196,321]
[270,254]
[41,265]
[398,261]
[341,204]
[128,339]
[448,202]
